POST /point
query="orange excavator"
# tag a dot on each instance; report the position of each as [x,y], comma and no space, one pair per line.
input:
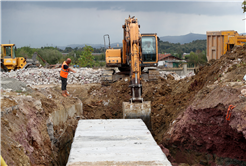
[138,51]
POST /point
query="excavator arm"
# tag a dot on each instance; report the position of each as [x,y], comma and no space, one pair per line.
[130,60]
[136,108]
[132,40]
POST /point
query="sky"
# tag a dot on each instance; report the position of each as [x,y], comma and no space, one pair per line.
[61,23]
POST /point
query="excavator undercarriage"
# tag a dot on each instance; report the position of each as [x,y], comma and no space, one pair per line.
[114,74]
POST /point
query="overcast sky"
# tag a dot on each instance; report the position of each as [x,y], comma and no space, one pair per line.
[60,23]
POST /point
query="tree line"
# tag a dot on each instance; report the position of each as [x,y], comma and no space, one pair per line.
[53,55]
[84,58]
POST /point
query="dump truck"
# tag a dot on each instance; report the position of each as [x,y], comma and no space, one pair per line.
[138,51]
[219,42]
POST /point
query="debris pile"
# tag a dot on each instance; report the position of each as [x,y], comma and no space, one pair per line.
[43,76]
[52,76]
[164,74]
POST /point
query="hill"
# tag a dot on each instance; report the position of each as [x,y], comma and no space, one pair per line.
[183,38]
[171,39]
[92,45]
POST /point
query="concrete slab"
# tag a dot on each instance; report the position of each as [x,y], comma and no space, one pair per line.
[115,142]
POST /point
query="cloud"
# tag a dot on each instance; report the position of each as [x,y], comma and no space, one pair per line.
[62,23]
[184,7]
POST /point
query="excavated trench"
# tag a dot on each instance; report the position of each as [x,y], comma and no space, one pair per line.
[44,131]
[61,127]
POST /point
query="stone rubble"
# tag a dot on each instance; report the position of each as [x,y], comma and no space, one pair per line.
[52,76]
[43,76]
[164,74]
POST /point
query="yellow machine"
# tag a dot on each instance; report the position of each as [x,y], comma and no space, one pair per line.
[219,42]
[8,60]
[3,162]
[139,51]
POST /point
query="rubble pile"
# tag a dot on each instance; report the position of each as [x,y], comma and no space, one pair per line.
[44,76]
[164,74]
[52,76]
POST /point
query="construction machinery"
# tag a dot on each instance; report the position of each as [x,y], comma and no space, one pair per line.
[8,60]
[138,51]
[33,63]
[219,42]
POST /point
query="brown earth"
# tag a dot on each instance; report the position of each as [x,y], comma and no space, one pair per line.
[24,136]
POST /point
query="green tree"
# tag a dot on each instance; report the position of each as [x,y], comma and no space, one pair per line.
[51,56]
[244,6]
[166,47]
[68,49]
[86,59]
[26,52]
[196,59]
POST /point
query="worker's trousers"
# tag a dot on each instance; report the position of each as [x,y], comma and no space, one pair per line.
[64,83]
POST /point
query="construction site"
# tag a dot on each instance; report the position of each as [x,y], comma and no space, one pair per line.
[145,117]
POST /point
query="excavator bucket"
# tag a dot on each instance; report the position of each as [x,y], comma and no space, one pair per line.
[138,111]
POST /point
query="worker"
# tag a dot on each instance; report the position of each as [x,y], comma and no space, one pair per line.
[148,48]
[63,74]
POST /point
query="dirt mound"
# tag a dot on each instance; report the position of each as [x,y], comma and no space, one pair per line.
[203,126]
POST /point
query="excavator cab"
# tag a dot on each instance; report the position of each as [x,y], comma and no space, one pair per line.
[149,51]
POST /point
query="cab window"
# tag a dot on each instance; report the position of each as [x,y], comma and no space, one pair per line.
[148,49]
[8,51]
[13,52]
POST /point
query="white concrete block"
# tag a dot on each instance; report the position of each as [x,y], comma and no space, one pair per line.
[115,142]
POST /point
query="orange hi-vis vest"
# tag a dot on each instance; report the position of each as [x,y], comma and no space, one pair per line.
[64,72]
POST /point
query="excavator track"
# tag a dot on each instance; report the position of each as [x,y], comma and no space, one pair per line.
[109,76]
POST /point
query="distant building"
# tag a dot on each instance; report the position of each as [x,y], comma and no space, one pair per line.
[168,60]
[162,56]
